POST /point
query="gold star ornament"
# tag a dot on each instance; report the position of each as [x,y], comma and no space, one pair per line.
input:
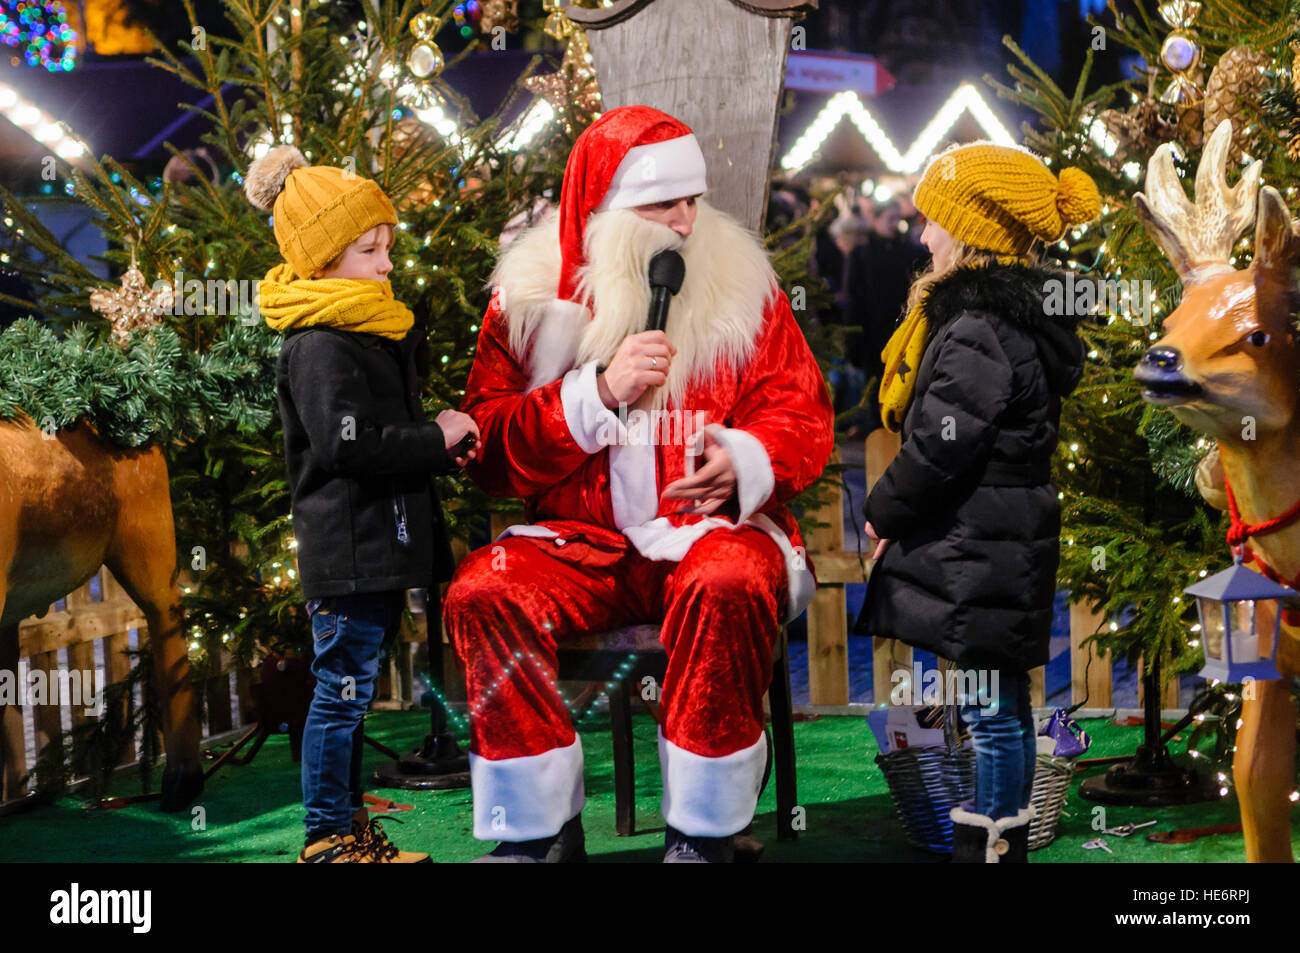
[133,304]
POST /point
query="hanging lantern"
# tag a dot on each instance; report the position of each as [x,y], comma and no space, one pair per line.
[1227,604]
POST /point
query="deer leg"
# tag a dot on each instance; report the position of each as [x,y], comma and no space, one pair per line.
[142,557]
[11,718]
[1264,771]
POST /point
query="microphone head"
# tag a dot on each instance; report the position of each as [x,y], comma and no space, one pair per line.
[667,270]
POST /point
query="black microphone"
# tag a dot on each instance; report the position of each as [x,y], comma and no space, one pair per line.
[667,271]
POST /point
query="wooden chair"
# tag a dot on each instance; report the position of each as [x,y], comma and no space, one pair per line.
[621,658]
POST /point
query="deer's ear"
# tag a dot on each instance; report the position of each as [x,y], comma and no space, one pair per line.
[1275,243]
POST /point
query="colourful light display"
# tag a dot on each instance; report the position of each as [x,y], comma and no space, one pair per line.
[40,31]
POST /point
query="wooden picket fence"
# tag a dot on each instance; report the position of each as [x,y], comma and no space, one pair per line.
[92,629]
[828,672]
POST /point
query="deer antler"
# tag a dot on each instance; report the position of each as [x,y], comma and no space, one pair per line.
[1198,238]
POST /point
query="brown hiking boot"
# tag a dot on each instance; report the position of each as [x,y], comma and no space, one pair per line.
[371,836]
[337,849]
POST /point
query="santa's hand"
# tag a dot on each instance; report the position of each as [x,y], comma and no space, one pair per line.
[880,543]
[711,485]
[641,361]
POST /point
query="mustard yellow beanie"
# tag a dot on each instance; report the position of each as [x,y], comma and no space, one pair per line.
[1001,198]
[319,210]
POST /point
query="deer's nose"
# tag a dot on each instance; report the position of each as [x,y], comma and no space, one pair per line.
[1162,358]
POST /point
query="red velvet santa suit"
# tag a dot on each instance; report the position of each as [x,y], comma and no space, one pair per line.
[603,549]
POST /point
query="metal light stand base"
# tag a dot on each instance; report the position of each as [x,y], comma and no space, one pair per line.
[1151,778]
[438,764]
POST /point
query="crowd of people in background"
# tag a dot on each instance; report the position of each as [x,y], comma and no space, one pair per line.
[867,254]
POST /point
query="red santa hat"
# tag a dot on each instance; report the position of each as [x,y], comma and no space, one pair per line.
[630,156]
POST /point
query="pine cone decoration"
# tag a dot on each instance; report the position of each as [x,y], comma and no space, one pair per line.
[1236,82]
[1190,121]
[1137,132]
[497,13]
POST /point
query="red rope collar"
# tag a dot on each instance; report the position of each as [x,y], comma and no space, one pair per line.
[1239,533]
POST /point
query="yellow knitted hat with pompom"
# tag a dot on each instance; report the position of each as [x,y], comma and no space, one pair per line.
[319,210]
[1001,198]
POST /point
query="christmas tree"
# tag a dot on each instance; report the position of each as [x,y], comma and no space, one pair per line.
[1135,531]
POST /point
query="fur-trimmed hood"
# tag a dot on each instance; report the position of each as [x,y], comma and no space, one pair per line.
[714,319]
[1014,293]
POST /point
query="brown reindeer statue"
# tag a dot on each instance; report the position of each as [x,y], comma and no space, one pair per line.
[1228,366]
[72,502]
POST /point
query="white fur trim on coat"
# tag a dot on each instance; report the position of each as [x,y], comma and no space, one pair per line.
[592,424]
[993,829]
[711,797]
[517,799]
[660,539]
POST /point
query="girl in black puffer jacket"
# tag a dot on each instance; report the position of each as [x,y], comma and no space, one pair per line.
[966,517]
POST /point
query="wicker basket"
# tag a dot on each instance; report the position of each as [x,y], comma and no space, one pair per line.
[926,783]
[1052,778]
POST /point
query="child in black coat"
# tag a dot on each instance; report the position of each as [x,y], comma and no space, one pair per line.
[966,517]
[361,458]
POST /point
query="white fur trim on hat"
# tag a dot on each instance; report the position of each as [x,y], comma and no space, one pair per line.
[657,172]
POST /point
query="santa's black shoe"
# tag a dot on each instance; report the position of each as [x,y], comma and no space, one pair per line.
[681,849]
[977,839]
[567,847]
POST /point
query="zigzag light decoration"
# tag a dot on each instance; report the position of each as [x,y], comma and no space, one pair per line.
[848,103]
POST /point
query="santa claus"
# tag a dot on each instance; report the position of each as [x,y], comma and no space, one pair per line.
[655,467]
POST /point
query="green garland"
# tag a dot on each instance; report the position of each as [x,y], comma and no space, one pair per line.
[150,390]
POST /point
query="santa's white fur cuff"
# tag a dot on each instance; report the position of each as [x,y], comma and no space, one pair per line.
[592,424]
[518,799]
[711,797]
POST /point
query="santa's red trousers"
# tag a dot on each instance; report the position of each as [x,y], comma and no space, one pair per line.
[513,602]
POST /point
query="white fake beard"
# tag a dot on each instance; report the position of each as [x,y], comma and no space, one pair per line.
[618,246]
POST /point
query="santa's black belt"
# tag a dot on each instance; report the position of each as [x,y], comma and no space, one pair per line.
[1016,474]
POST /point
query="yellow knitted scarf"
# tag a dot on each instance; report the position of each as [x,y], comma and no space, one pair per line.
[904,350]
[350,304]
[902,356]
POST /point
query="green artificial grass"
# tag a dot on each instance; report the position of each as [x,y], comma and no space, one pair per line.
[254,813]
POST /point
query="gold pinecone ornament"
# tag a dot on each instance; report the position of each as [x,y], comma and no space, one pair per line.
[1293,142]
[1236,83]
[1139,130]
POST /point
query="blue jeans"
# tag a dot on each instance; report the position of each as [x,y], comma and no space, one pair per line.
[349,633]
[1005,746]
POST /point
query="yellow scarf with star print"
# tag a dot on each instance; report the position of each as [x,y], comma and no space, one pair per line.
[902,356]
[288,302]
[905,348]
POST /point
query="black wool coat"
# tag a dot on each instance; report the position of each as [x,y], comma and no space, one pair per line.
[361,458]
[974,520]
